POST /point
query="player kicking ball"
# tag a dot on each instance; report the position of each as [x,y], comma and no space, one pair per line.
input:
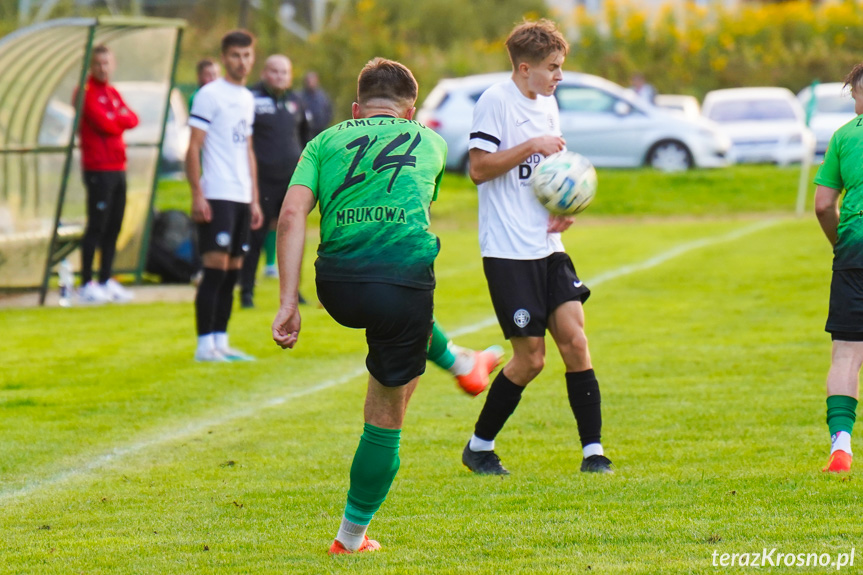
[532,281]
[844,229]
[373,179]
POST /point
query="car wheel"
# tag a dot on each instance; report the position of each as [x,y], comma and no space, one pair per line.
[669,156]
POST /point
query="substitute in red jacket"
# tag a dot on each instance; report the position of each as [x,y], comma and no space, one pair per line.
[103,156]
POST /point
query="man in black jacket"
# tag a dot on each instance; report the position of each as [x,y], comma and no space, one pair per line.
[281,132]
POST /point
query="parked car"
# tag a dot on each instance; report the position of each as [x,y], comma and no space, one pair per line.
[145,99]
[764,124]
[686,106]
[599,119]
[831,109]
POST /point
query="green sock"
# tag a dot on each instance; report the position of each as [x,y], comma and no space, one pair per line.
[841,413]
[374,468]
[439,351]
[270,247]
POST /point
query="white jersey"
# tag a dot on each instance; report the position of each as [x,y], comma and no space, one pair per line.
[512,223]
[226,112]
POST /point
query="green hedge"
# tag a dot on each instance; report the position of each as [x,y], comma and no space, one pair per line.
[693,50]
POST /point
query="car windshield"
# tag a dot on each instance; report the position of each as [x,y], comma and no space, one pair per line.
[752,110]
[584,100]
[834,105]
[148,105]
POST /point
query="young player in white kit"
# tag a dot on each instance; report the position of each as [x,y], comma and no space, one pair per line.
[225,199]
[531,279]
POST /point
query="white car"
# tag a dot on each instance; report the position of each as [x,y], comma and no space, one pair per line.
[686,106]
[145,99]
[599,119]
[766,125]
[831,109]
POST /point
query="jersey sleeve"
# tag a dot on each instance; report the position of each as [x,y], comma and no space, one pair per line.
[99,116]
[203,110]
[828,173]
[439,178]
[307,172]
[486,130]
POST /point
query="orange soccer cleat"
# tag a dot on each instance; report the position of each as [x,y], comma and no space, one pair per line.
[484,363]
[367,545]
[839,462]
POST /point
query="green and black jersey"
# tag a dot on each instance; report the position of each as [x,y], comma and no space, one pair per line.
[374,180]
[843,169]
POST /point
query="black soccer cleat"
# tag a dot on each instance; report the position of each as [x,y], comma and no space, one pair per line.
[596,464]
[247,301]
[482,462]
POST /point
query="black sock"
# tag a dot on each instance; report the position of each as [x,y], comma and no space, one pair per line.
[225,302]
[206,298]
[584,399]
[502,399]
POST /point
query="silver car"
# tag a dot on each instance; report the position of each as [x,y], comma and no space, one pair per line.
[599,119]
[829,107]
[765,124]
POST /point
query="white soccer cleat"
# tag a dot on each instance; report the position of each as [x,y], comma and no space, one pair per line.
[232,354]
[210,355]
[117,292]
[92,292]
[271,272]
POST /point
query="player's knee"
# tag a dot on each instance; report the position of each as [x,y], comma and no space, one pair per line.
[535,363]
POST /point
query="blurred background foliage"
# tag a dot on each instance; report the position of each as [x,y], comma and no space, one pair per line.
[692,49]
[683,49]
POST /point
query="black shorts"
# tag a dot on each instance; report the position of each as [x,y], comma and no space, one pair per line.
[228,229]
[845,318]
[398,323]
[524,293]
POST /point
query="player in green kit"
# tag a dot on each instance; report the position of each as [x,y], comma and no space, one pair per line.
[374,178]
[843,169]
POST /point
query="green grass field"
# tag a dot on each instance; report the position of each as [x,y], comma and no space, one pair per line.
[122,455]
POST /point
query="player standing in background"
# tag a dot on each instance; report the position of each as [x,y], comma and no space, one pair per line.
[206,70]
[104,118]
[281,132]
[225,198]
[843,169]
[531,279]
[317,102]
[374,178]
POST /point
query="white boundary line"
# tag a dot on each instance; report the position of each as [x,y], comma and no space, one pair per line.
[195,428]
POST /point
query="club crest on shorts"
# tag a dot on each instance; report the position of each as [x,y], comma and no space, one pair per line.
[223,239]
[521,318]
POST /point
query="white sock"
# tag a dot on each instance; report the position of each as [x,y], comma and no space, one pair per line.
[220,340]
[464,360]
[351,534]
[206,342]
[477,444]
[592,449]
[841,440]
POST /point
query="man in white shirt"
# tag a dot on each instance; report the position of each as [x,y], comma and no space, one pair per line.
[225,199]
[532,281]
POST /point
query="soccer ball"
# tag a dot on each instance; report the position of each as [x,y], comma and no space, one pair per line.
[564,183]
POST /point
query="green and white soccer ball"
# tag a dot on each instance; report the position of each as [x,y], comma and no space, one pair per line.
[564,183]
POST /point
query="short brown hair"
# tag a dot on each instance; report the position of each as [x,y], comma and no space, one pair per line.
[239,38]
[855,77]
[203,64]
[99,49]
[386,80]
[533,42]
